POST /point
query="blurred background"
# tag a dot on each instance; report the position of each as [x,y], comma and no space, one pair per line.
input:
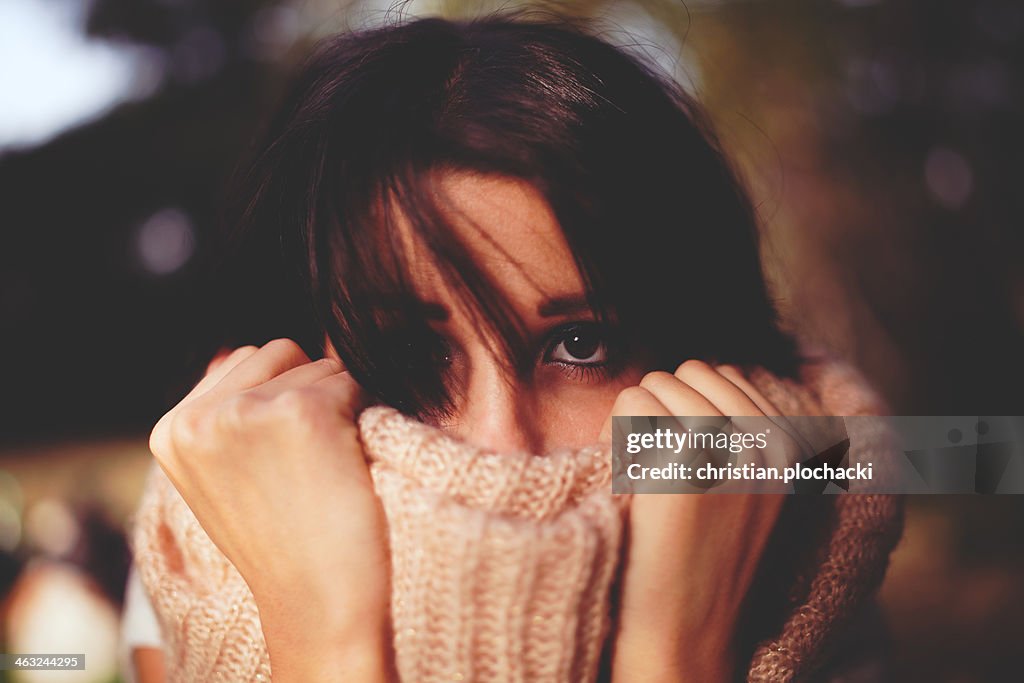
[881,140]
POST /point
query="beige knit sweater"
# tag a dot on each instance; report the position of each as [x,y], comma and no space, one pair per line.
[503,564]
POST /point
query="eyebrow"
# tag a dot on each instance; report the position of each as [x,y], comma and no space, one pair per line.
[431,310]
[563,305]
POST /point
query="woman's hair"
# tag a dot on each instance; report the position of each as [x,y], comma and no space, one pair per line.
[663,235]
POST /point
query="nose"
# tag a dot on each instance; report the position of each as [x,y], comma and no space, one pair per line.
[496,412]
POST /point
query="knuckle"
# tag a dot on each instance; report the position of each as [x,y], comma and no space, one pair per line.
[232,357]
[159,444]
[161,427]
[282,344]
[631,396]
[691,367]
[296,403]
[302,410]
[185,429]
[241,352]
[655,378]
[734,374]
[330,364]
[236,412]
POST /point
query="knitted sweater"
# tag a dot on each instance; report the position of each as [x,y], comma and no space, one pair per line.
[503,563]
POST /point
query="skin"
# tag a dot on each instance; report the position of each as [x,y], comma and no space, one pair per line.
[264,451]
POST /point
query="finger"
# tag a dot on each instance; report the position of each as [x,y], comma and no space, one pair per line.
[346,391]
[330,352]
[744,415]
[727,397]
[159,436]
[677,396]
[733,374]
[735,377]
[301,376]
[633,401]
[272,359]
[218,358]
[218,368]
[743,403]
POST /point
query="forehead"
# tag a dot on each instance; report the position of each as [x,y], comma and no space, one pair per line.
[511,233]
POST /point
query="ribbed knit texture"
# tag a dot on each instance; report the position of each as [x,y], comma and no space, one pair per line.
[502,564]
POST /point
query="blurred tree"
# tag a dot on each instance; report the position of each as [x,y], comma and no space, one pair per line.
[99,337]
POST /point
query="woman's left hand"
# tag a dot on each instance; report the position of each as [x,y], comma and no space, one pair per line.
[690,558]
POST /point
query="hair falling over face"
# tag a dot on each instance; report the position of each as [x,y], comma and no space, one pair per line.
[348,200]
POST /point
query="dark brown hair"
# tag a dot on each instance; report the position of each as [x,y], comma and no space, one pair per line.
[663,235]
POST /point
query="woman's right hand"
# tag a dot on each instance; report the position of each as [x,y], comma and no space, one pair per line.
[265,451]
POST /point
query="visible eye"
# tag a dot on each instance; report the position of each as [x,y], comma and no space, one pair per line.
[421,350]
[578,344]
[435,350]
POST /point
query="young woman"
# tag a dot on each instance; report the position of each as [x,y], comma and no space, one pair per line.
[509,231]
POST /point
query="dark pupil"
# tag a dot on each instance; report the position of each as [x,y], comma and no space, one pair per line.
[425,351]
[440,352]
[581,344]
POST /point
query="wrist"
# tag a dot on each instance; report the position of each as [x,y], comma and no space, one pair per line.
[666,658]
[310,639]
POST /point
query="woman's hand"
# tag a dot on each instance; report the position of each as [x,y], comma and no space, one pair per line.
[265,452]
[690,558]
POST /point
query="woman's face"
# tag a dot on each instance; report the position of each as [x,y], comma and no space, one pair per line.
[567,390]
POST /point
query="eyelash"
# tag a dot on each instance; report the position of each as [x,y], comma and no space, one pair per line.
[582,372]
[585,373]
